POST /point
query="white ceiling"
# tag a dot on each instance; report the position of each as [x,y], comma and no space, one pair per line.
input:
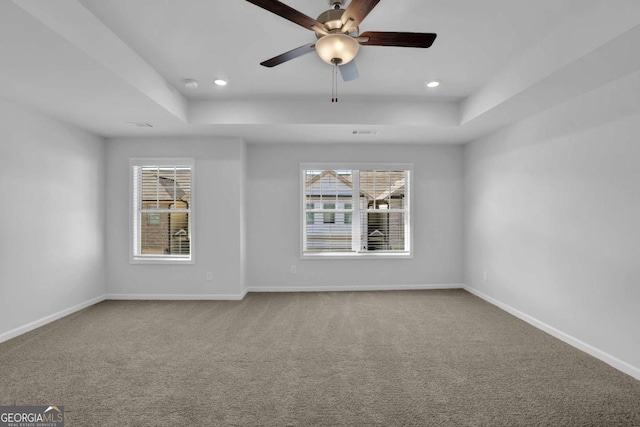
[100,64]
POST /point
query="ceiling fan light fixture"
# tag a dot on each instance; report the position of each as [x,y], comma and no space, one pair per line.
[337,46]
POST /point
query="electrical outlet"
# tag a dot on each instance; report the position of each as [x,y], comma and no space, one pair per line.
[485,275]
[209,275]
[293,269]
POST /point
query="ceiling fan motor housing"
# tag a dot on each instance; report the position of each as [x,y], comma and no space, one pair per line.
[332,21]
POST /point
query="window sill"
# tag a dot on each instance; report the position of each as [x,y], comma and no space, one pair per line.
[358,255]
[161,260]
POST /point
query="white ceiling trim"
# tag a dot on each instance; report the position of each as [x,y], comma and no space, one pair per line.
[555,56]
[251,112]
[605,64]
[81,28]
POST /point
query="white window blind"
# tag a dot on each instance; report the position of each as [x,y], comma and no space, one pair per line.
[162,206]
[356,211]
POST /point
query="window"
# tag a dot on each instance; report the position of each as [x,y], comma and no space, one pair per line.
[361,210]
[162,206]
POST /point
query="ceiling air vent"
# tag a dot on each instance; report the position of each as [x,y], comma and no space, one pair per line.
[140,124]
[365,132]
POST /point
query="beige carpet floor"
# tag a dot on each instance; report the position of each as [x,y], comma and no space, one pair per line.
[401,358]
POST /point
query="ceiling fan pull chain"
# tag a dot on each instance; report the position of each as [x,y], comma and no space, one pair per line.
[335,76]
[335,82]
[333,86]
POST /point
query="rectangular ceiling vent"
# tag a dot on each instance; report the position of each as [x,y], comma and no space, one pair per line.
[365,132]
[140,124]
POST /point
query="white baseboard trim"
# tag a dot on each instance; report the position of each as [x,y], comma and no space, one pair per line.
[177,297]
[48,319]
[349,288]
[580,345]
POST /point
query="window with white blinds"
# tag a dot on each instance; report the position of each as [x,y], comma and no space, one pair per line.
[162,210]
[359,210]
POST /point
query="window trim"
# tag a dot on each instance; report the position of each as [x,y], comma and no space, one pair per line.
[159,259]
[355,210]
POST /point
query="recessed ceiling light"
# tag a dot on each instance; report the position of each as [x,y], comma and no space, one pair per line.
[220,82]
[191,83]
[432,84]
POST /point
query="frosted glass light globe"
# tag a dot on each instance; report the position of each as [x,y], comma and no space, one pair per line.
[337,46]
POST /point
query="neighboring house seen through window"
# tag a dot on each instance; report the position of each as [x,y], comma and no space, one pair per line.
[162,205]
[356,211]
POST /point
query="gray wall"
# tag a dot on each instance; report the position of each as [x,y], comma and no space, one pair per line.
[51,217]
[247,221]
[273,218]
[552,213]
[217,214]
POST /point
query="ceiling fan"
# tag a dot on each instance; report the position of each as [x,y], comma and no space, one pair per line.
[337,33]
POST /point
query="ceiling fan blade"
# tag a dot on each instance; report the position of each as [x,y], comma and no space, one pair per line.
[358,10]
[288,56]
[381,38]
[349,71]
[287,12]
